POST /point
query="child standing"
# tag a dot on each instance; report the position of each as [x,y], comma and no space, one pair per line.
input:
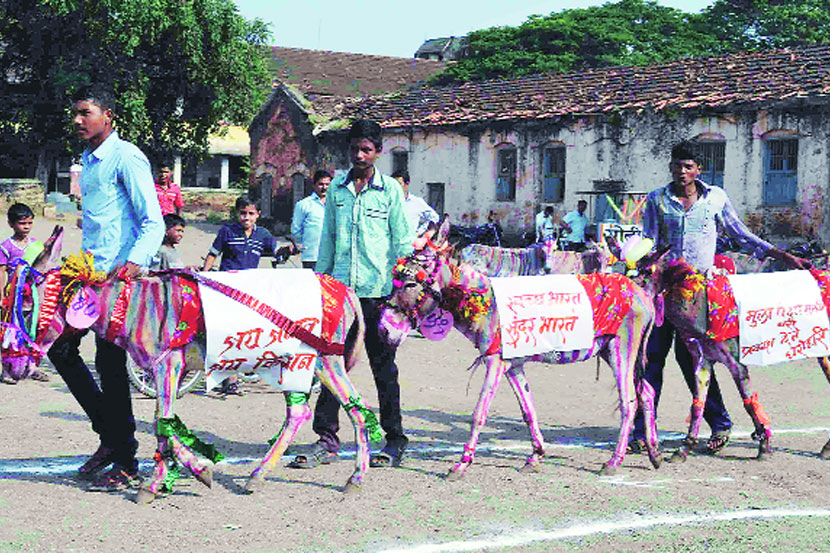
[20,217]
[168,256]
[240,244]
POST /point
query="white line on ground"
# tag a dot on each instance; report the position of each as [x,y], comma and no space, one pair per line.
[527,537]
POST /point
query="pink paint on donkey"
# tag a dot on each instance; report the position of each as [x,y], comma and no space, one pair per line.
[428,281]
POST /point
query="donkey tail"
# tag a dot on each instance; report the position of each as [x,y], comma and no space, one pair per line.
[354,344]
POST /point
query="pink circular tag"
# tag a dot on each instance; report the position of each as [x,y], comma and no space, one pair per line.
[83,310]
[436,325]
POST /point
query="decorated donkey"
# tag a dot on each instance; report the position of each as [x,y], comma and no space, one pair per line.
[428,286]
[158,319]
[535,259]
[704,312]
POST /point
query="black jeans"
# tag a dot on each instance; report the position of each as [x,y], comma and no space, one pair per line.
[109,407]
[659,344]
[309,264]
[382,362]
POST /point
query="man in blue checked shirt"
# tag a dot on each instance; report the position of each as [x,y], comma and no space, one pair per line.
[123,229]
[307,222]
[686,215]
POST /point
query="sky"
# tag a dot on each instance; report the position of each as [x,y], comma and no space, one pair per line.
[397,27]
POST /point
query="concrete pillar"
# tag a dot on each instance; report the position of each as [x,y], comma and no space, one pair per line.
[177,170]
[224,175]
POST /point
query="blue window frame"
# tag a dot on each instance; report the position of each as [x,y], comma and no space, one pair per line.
[780,171]
[553,179]
[712,161]
[506,175]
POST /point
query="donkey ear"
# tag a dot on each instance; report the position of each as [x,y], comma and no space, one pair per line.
[443,230]
[653,257]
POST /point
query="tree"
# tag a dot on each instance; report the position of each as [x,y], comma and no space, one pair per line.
[748,25]
[178,68]
[629,32]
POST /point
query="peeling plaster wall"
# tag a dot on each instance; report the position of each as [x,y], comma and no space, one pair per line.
[629,147]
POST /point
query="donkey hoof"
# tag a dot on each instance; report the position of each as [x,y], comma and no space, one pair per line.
[764,454]
[206,476]
[255,484]
[352,488]
[678,456]
[144,496]
[454,475]
[608,470]
[656,460]
[531,468]
[825,451]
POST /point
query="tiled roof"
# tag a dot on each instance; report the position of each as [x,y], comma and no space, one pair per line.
[320,74]
[708,82]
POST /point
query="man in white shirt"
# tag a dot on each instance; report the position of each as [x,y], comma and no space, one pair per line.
[308,219]
[575,224]
[545,228]
[418,212]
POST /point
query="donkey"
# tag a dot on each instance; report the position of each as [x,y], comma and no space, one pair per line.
[686,306]
[158,319]
[535,259]
[427,281]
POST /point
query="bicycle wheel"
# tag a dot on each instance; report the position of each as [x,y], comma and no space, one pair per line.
[144,380]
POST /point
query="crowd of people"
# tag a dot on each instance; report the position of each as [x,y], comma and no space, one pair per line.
[354,227]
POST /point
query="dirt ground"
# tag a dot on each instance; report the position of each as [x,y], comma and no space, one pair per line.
[726,503]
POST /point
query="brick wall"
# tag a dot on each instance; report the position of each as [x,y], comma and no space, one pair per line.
[25,191]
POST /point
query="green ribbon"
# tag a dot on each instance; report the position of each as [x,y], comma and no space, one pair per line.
[173,472]
[292,399]
[175,427]
[372,424]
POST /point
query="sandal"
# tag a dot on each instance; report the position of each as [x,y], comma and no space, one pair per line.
[318,455]
[390,456]
[636,447]
[718,441]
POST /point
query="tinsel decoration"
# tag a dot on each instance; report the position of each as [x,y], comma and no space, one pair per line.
[80,270]
[372,425]
[175,427]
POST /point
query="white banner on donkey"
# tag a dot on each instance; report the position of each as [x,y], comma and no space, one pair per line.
[538,314]
[241,340]
[781,317]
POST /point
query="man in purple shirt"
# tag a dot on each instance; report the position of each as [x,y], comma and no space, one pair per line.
[686,215]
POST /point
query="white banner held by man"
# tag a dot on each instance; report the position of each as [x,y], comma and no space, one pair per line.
[545,313]
[781,317]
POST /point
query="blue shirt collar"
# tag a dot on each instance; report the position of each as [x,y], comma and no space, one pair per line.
[106,147]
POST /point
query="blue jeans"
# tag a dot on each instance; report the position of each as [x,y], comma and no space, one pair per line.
[382,362]
[109,407]
[659,344]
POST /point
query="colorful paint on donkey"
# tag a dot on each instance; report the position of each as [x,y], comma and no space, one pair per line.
[427,282]
[159,318]
[703,310]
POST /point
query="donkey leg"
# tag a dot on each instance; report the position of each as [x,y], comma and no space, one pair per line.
[824,363]
[760,419]
[297,412]
[645,397]
[622,362]
[704,368]
[333,376]
[496,367]
[516,377]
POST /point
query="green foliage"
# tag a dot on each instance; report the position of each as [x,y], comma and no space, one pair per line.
[636,32]
[178,68]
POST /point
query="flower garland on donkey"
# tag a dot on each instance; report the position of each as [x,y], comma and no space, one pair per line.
[431,292]
[157,320]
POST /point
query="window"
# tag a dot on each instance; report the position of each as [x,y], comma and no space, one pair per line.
[780,171]
[506,175]
[553,179]
[400,160]
[435,197]
[712,161]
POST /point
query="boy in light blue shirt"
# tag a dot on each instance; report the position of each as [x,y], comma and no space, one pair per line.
[307,223]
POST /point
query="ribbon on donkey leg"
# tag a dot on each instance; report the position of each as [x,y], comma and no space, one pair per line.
[372,425]
[175,427]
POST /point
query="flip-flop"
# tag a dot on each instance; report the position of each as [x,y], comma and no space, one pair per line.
[390,456]
[314,458]
[717,442]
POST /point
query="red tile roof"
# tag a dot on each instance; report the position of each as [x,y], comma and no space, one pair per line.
[708,82]
[321,74]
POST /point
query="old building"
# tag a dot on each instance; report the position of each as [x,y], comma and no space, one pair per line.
[514,146]
[311,88]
